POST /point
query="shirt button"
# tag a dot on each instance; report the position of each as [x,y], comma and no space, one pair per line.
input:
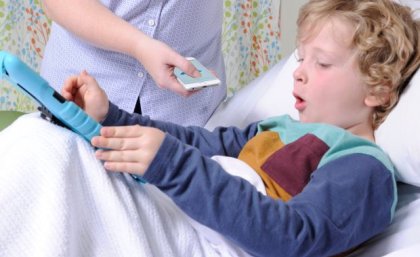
[151,23]
[140,74]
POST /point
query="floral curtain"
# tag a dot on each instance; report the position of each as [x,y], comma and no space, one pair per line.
[251,39]
[24,31]
[251,42]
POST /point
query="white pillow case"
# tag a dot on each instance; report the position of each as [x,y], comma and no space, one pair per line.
[268,95]
[271,94]
[399,135]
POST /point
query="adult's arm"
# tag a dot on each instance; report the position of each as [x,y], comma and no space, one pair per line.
[93,22]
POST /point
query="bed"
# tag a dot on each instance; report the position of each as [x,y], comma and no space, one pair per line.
[49,197]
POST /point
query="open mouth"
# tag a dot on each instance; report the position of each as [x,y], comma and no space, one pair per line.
[300,103]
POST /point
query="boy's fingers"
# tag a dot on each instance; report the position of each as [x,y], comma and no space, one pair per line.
[67,95]
[69,82]
[122,131]
[69,87]
[124,167]
[119,137]
[116,143]
[85,78]
[117,156]
[82,79]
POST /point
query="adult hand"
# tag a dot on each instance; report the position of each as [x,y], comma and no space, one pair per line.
[160,61]
[129,148]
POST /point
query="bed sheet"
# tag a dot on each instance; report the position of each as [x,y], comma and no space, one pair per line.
[57,200]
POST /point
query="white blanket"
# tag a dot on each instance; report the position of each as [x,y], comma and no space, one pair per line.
[57,200]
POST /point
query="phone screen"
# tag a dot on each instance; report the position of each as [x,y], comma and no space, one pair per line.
[191,83]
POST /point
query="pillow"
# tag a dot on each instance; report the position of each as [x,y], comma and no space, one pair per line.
[268,95]
[399,135]
[271,94]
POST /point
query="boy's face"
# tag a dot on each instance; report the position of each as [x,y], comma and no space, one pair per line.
[328,86]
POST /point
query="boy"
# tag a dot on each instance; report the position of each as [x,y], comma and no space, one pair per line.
[329,187]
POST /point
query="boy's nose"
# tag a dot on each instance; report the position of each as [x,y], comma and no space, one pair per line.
[299,75]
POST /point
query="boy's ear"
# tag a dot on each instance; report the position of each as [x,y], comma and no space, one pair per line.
[376,100]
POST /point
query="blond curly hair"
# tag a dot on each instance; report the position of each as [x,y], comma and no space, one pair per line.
[386,39]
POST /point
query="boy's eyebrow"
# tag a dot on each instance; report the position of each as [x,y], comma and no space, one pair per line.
[301,47]
[325,51]
[322,50]
[317,50]
[335,55]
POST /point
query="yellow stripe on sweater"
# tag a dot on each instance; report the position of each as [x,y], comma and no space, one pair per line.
[256,152]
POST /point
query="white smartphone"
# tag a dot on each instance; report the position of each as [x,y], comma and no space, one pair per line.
[206,79]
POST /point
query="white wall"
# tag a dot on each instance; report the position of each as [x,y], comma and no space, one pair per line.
[288,17]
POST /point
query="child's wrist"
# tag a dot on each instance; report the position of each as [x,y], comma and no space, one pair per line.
[103,113]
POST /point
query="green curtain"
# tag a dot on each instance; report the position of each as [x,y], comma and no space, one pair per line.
[251,42]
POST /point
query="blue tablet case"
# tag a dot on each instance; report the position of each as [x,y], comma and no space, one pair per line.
[53,106]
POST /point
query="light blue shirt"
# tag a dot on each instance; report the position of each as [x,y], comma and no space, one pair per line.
[190,27]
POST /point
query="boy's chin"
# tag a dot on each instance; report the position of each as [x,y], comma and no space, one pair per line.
[304,118]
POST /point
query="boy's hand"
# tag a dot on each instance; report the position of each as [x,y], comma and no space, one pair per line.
[86,93]
[129,148]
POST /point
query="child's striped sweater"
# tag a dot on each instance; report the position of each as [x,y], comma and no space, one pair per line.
[328,190]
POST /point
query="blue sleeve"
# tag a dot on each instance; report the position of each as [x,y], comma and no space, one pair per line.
[346,202]
[222,141]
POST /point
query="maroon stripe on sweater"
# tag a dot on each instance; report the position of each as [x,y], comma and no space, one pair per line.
[292,165]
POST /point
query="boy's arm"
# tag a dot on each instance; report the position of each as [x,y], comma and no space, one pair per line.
[221,141]
[346,202]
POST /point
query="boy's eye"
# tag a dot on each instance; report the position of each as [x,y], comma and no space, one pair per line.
[324,65]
